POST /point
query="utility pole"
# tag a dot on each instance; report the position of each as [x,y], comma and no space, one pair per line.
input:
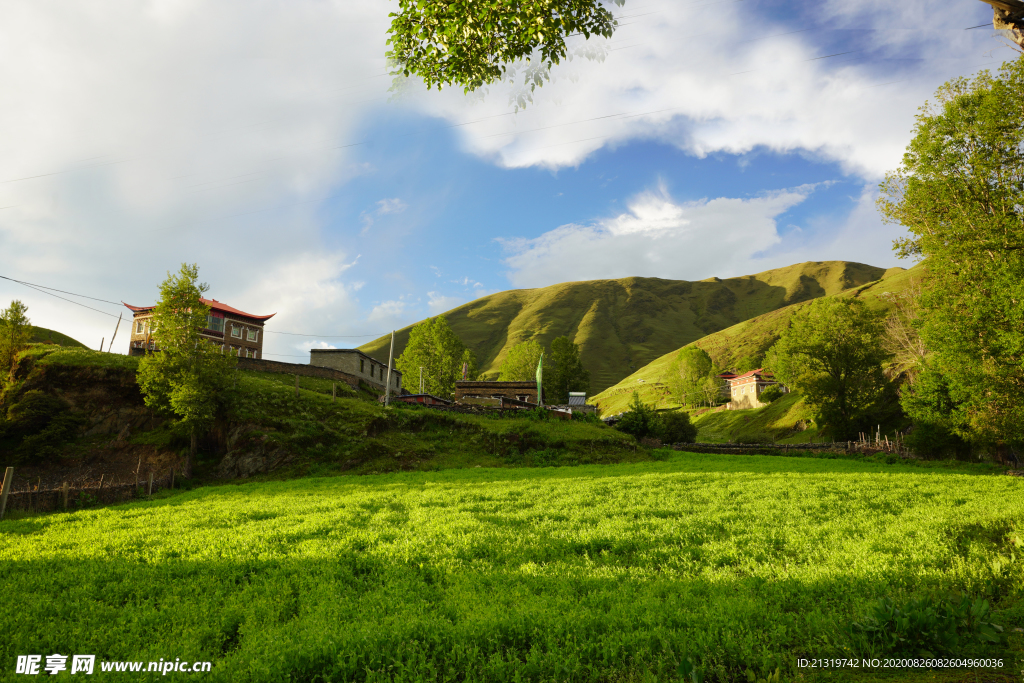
[115,334]
[391,357]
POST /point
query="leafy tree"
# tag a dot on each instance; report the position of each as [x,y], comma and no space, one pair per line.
[471,43]
[960,193]
[188,376]
[640,420]
[688,374]
[675,427]
[520,364]
[832,352]
[771,394]
[928,401]
[566,372]
[436,348]
[15,331]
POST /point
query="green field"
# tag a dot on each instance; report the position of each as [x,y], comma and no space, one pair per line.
[591,573]
[622,325]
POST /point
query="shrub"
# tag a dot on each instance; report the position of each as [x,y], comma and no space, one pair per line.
[771,394]
[675,427]
[641,420]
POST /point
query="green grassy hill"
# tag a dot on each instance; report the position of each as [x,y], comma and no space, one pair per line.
[733,345]
[70,405]
[42,335]
[622,325]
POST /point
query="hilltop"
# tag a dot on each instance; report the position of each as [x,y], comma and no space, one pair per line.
[43,335]
[731,347]
[623,325]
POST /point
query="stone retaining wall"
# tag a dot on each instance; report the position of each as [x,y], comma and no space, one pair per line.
[263,365]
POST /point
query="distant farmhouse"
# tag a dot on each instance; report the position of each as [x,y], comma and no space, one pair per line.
[490,392]
[745,390]
[357,363]
[233,330]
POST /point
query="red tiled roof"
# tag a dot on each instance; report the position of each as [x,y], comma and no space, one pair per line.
[759,371]
[213,304]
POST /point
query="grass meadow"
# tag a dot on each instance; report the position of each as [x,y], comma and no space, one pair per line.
[735,564]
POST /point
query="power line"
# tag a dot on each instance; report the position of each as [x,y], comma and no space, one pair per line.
[32,284]
[62,298]
[43,288]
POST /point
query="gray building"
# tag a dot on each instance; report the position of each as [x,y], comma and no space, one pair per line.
[357,363]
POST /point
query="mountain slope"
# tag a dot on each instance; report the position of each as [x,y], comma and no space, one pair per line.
[622,325]
[748,339]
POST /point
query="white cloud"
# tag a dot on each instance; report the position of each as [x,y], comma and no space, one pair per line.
[682,76]
[140,136]
[438,303]
[384,207]
[656,237]
[394,205]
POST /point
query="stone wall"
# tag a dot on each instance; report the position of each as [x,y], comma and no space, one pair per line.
[263,365]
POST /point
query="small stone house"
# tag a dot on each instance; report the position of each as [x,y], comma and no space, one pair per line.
[235,331]
[519,391]
[355,362]
[745,389]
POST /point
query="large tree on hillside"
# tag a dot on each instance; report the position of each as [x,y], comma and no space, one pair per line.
[960,193]
[434,347]
[520,363]
[188,376]
[688,375]
[565,373]
[15,331]
[832,352]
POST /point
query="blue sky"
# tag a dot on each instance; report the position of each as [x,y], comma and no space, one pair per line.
[261,140]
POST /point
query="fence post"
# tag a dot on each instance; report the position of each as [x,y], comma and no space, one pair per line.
[334,391]
[8,478]
[101,481]
[149,489]
[65,495]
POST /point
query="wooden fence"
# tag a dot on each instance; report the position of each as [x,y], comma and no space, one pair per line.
[67,497]
[867,444]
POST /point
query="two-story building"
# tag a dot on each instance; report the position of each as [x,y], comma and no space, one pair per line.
[745,389]
[235,331]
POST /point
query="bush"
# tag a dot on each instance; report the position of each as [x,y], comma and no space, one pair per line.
[38,425]
[771,394]
[641,420]
[675,427]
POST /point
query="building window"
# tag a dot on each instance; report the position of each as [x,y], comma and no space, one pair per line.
[215,324]
[250,335]
[236,332]
[361,365]
[139,326]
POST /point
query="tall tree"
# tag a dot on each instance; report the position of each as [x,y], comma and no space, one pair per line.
[15,331]
[470,43]
[188,376]
[566,372]
[687,375]
[833,353]
[520,364]
[434,347]
[960,193]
